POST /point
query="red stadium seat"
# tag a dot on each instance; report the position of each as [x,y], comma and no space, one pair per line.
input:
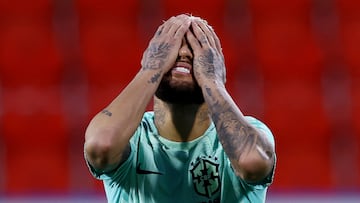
[356,102]
[295,113]
[280,9]
[349,23]
[109,39]
[292,63]
[348,10]
[356,116]
[35,10]
[35,134]
[210,10]
[28,54]
[110,42]
[285,53]
[110,52]
[122,10]
[27,51]
[35,163]
[34,129]
[284,40]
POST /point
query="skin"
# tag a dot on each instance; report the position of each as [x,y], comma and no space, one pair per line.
[190,40]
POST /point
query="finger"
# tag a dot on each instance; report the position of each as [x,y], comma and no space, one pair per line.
[174,21]
[193,41]
[179,26]
[185,25]
[205,28]
[159,30]
[199,34]
[217,40]
[168,24]
[212,37]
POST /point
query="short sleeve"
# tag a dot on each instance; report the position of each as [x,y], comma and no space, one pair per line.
[120,174]
[261,126]
[121,169]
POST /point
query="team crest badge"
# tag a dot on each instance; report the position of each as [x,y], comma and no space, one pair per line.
[205,176]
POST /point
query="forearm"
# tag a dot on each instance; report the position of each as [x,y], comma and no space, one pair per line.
[108,133]
[250,152]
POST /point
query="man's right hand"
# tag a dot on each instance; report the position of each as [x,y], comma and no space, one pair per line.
[163,48]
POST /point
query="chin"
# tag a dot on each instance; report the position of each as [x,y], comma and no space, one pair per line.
[175,92]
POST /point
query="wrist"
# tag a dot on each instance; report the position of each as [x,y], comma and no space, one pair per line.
[211,82]
[152,76]
[206,78]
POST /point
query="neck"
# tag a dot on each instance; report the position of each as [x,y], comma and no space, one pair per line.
[181,123]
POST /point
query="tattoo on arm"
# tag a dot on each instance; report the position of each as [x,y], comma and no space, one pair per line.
[106,112]
[155,78]
[236,137]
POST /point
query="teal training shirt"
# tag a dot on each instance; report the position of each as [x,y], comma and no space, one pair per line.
[161,171]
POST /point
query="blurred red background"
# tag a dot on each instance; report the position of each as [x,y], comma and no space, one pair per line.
[293,64]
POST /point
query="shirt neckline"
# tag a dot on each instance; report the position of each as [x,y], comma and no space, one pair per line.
[175,145]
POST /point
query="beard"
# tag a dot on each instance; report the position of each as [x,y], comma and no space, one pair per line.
[177,92]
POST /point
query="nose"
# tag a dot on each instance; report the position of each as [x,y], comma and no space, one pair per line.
[185,51]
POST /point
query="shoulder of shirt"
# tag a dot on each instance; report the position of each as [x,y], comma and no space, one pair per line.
[145,129]
[148,117]
[148,114]
[262,126]
[147,122]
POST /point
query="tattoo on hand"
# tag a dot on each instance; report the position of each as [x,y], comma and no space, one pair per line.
[206,61]
[156,56]
[106,112]
[236,137]
[208,91]
[210,65]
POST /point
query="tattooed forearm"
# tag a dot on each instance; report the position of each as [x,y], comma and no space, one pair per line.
[238,138]
[106,112]
[155,78]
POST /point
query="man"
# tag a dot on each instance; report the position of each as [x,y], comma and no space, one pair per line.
[196,146]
